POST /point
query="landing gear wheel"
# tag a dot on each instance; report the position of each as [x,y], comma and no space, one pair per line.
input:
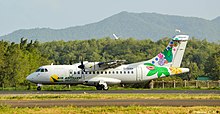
[38,88]
[102,87]
[105,88]
[99,87]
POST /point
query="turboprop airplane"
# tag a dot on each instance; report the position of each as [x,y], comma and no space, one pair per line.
[102,74]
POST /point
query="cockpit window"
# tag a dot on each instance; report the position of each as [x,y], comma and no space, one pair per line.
[38,70]
[42,70]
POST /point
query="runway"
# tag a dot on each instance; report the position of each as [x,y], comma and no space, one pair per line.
[113,102]
[116,92]
[130,102]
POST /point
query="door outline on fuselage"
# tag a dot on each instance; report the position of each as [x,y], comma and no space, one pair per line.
[139,73]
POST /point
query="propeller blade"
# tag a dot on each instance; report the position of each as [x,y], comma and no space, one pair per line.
[82,66]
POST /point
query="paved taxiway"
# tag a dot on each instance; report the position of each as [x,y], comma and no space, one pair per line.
[116,92]
[113,102]
[126,102]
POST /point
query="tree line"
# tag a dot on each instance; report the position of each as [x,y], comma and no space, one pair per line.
[17,60]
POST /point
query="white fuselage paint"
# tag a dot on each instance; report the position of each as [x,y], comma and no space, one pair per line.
[96,74]
[71,74]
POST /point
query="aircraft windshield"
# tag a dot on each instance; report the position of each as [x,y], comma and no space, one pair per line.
[42,70]
[38,70]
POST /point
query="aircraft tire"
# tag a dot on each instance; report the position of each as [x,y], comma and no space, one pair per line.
[99,87]
[38,88]
[105,88]
[102,87]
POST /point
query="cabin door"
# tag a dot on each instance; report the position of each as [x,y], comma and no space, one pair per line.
[139,73]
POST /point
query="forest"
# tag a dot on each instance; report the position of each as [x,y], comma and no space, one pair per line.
[18,60]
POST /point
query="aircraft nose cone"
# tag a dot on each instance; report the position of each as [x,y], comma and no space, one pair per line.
[29,78]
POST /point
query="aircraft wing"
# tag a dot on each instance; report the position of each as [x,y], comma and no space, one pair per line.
[111,64]
[95,66]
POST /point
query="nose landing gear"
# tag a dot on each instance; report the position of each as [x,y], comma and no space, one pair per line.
[39,87]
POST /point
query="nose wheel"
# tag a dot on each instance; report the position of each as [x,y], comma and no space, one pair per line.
[39,87]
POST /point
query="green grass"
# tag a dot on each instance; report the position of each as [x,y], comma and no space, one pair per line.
[112,110]
[83,87]
[106,96]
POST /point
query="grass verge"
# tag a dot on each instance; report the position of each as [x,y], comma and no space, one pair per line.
[106,96]
[84,87]
[113,109]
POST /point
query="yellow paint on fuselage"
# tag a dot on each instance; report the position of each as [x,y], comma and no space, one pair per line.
[54,78]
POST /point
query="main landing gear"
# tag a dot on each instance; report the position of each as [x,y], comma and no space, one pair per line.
[102,86]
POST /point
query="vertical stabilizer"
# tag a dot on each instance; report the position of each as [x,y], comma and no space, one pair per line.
[177,59]
[172,55]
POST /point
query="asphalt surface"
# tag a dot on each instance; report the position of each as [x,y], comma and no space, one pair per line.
[113,102]
[116,92]
[137,102]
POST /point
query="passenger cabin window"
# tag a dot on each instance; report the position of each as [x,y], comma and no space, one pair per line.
[128,72]
[60,77]
[132,72]
[106,72]
[120,72]
[78,72]
[116,72]
[109,72]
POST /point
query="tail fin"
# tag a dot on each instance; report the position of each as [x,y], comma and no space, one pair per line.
[173,54]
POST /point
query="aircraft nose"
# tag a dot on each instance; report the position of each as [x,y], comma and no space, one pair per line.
[29,77]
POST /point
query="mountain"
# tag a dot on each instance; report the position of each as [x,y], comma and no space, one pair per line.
[125,24]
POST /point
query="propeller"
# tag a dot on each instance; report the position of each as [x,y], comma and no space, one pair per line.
[82,66]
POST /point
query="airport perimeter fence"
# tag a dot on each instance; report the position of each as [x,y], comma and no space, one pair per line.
[185,84]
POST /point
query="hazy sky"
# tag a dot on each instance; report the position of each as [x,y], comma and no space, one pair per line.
[57,14]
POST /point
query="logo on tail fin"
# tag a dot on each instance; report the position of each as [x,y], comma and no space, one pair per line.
[172,55]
